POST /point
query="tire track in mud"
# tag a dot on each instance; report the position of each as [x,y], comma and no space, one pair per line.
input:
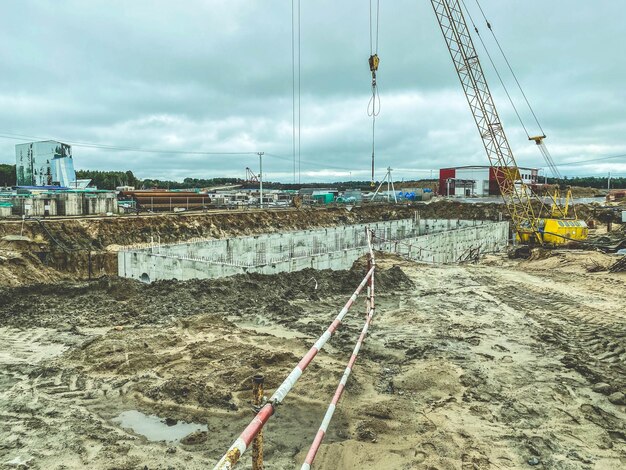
[63,383]
[591,336]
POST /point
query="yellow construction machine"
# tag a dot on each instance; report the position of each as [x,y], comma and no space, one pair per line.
[524,206]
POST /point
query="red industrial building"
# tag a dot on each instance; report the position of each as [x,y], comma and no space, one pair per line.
[478,180]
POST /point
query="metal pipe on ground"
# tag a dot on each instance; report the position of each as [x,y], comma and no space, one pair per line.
[242,443]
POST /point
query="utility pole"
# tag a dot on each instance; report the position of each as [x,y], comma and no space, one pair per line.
[608,183]
[260,154]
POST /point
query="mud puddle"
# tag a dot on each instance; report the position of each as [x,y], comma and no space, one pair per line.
[155,428]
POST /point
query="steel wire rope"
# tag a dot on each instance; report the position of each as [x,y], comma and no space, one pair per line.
[495,69]
[299,100]
[373,106]
[544,151]
[293,88]
[372,109]
[510,67]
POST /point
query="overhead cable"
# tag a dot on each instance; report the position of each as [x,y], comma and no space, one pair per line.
[495,68]
[509,65]
[373,107]
[121,148]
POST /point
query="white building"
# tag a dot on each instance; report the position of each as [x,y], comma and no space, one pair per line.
[478,180]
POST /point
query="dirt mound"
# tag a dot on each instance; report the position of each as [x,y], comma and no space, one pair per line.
[117,301]
[570,261]
[86,248]
[188,390]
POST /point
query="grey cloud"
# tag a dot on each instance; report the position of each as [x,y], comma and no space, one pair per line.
[216,75]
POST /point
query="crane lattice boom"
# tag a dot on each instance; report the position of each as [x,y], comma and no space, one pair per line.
[468,68]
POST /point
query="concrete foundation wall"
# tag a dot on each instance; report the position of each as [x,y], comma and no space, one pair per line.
[100,203]
[330,248]
[35,206]
[452,246]
[70,204]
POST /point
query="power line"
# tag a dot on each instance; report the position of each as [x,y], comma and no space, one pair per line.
[313,164]
[22,137]
[119,148]
[27,138]
[591,160]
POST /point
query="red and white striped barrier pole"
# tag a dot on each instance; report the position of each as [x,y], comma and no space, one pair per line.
[321,433]
[242,443]
[372,265]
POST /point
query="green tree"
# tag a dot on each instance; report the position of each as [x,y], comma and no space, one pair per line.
[7,175]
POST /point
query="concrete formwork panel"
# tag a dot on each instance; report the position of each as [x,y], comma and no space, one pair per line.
[452,246]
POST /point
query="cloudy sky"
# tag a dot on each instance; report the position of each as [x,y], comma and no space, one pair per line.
[216,76]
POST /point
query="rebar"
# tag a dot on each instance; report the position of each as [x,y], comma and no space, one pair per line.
[257,444]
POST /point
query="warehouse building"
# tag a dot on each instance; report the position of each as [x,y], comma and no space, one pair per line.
[467,181]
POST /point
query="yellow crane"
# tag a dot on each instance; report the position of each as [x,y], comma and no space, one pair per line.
[524,207]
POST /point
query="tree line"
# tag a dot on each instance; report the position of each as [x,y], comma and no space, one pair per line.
[7,175]
[597,182]
[113,179]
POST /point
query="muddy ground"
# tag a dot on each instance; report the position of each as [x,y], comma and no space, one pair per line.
[503,364]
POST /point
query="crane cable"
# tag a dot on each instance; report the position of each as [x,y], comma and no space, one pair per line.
[295,85]
[373,107]
[510,67]
[293,91]
[495,68]
[537,139]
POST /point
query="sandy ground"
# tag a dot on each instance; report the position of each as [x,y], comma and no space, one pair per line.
[503,364]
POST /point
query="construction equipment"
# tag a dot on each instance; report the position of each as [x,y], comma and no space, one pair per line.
[390,187]
[251,177]
[529,225]
[561,210]
[373,107]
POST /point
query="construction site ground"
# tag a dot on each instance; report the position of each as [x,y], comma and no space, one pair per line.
[501,364]
[48,250]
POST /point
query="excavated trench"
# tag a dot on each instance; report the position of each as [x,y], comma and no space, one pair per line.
[83,248]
